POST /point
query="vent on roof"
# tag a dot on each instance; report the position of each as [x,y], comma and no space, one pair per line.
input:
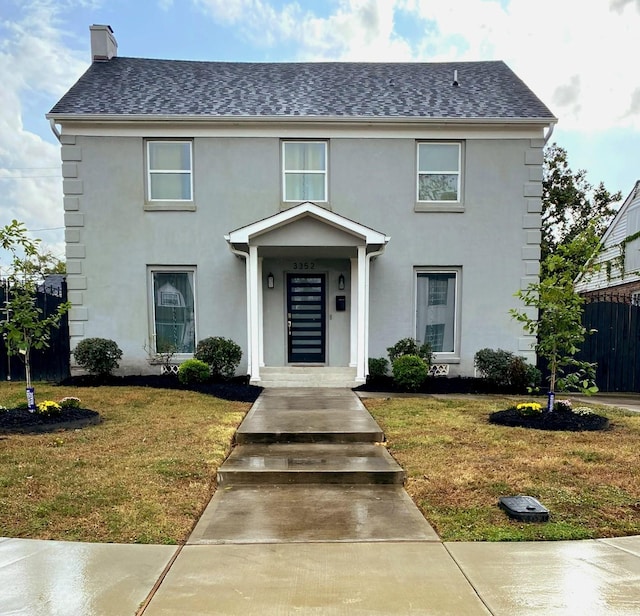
[455,78]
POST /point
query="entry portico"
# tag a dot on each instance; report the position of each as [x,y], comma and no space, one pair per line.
[307,286]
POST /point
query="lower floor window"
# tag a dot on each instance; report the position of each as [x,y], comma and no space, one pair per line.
[436,309]
[173,311]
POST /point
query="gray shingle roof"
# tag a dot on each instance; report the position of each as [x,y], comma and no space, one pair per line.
[136,86]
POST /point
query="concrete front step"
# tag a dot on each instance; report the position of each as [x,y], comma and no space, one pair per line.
[306,415]
[354,463]
[307,376]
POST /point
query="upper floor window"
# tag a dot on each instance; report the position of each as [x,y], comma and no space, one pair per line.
[169,166]
[439,172]
[304,170]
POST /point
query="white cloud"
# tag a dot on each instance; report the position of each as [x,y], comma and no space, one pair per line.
[358,30]
[549,48]
[619,5]
[35,63]
[256,20]
[354,29]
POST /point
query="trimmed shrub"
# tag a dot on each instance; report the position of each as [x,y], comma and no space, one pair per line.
[493,365]
[410,372]
[193,371]
[524,376]
[221,354]
[98,356]
[378,367]
[409,346]
[504,369]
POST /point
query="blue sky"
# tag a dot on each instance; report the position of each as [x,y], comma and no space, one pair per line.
[579,58]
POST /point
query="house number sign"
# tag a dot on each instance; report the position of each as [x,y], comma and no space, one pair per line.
[304,265]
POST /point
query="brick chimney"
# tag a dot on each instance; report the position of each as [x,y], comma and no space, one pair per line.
[103,44]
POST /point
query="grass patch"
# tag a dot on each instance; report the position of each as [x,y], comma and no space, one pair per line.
[144,475]
[458,465]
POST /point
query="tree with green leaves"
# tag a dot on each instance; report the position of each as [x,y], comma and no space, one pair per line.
[571,206]
[574,217]
[25,327]
[553,314]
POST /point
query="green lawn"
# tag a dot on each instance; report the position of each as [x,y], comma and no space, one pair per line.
[458,465]
[144,475]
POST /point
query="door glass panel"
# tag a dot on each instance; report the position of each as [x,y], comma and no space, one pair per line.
[306,318]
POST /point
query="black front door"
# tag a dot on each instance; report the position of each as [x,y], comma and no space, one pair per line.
[306,318]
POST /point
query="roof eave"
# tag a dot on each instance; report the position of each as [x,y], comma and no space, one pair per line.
[106,117]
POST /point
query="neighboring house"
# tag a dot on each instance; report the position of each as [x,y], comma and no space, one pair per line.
[53,284]
[615,271]
[315,213]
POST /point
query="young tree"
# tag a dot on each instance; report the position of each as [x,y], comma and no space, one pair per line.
[555,318]
[574,217]
[25,326]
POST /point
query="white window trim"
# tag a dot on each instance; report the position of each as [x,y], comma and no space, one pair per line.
[151,172]
[442,357]
[324,172]
[449,205]
[151,303]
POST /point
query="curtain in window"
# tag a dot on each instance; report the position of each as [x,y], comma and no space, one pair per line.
[169,156]
[169,170]
[304,171]
[299,156]
[174,312]
[435,320]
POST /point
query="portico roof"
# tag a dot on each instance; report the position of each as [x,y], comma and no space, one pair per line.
[245,235]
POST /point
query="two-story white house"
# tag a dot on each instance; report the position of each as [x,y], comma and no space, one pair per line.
[315,213]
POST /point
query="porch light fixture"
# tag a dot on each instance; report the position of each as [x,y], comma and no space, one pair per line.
[341,282]
[271,281]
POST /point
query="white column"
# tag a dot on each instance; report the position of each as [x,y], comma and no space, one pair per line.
[361,360]
[254,317]
[260,314]
[353,314]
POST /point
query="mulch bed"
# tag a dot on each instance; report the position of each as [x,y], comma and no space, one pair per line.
[441,385]
[22,421]
[236,389]
[556,420]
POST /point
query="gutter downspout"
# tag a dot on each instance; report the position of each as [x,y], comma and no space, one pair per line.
[54,130]
[549,133]
[369,257]
[245,256]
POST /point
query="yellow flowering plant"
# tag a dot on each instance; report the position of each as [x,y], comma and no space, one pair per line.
[48,407]
[529,408]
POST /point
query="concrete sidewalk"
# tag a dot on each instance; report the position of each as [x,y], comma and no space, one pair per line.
[53,578]
[383,559]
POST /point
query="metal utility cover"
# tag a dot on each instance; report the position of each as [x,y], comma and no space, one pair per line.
[524,508]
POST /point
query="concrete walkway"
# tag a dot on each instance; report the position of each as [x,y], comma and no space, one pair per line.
[337,545]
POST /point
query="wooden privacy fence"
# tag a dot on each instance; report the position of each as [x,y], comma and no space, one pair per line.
[51,364]
[615,346]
